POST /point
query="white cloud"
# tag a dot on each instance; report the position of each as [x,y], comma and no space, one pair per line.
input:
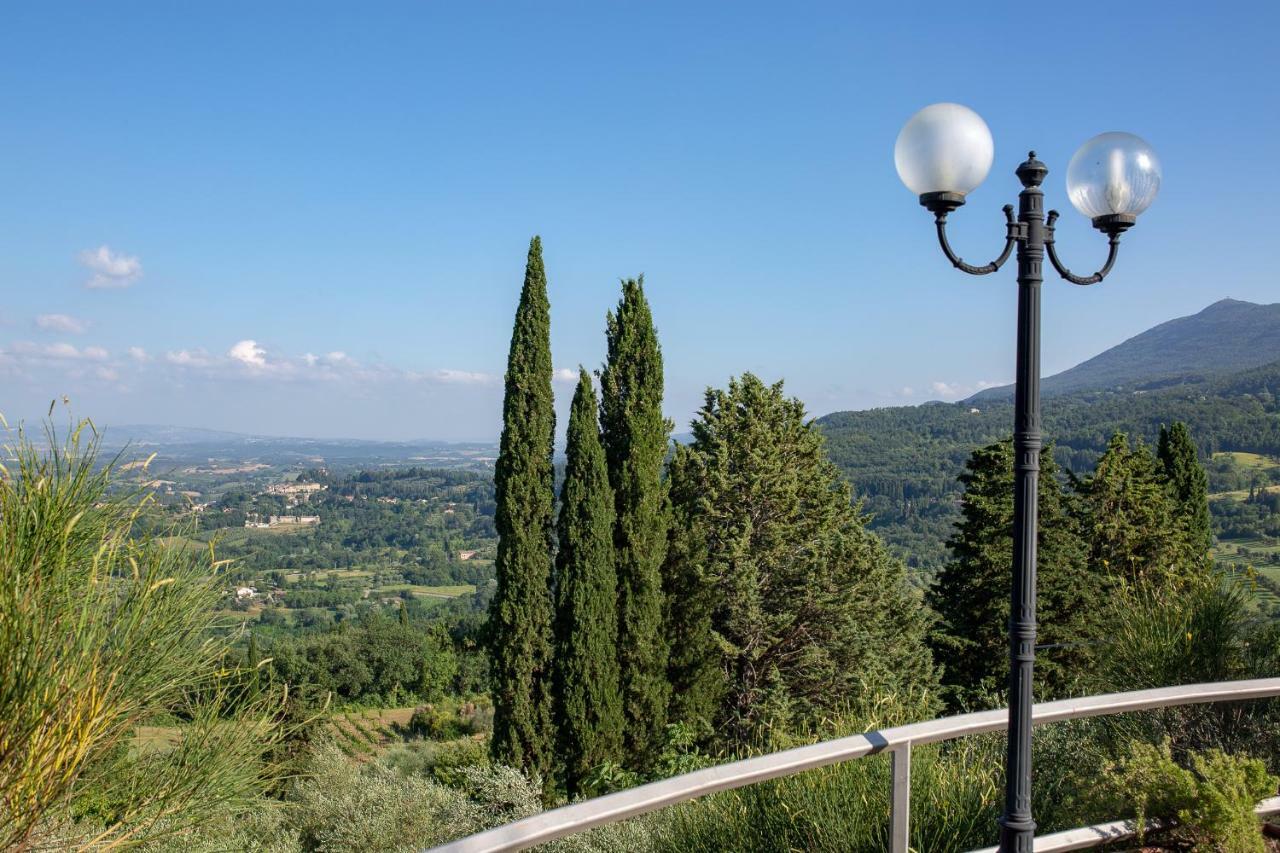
[110,269]
[310,359]
[60,351]
[189,358]
[138,354]
[907,391]
[61,323]
[462,377]
[337,357]
[248,353]
[566,375]
[956,390]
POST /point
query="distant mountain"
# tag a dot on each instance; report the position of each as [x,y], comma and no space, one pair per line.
[1227,337]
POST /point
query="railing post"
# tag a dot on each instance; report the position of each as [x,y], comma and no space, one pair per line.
[900,814]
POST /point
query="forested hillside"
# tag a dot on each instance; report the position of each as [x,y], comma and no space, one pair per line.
[903,462]
[1227,337]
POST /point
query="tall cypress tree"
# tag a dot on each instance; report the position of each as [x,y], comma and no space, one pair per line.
[521,611]
[588,702]
[1188,483]
[971,593]
[635,440]
[1131,522]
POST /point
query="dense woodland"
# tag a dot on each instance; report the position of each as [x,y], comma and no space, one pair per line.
[905,462]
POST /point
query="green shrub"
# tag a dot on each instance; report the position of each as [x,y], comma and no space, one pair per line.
[99,633]
[1211,802]
[438,760]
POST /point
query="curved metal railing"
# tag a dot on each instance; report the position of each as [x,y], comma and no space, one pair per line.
[897,741]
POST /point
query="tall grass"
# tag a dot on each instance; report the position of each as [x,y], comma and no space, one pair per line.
[100,632]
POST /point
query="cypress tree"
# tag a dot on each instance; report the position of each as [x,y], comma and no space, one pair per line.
[1131,522]
[806,608]
[1188,483]
[520,614]
[588,704]
[971,593]
[635,441]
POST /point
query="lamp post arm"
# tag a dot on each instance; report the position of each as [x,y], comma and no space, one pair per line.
[1113,250]
[1013,233]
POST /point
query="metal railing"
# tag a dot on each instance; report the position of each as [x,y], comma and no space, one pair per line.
[897,741]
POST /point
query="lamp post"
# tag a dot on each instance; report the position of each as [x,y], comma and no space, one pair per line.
[943,153]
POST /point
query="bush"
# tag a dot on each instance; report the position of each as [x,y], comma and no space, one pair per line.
[1211,802]
[99,633]
[1204,633]
[438,760]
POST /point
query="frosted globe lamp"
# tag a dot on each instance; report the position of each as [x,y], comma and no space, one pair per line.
[943,153]
[1113,178]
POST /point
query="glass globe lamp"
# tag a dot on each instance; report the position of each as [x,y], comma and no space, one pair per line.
[1113,178]
[943,153]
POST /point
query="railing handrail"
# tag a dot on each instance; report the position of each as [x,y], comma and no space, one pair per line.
[612,808]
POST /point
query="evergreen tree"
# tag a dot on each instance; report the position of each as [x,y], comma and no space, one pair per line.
[807,608]
[635,441]
[693,667]
[1188,483]
[971,593]
[588,702]
[520,614]
[1130,520]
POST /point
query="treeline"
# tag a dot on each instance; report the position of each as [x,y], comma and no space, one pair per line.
[737,594]
[904,462]
[1140,520]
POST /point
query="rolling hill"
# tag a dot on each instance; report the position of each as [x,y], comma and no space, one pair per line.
[1227,337]
[903,462]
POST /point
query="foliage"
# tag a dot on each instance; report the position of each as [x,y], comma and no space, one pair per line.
[1212,801]
[971,593]
[904,461]
[520,615]
[806,606]
[1188,483]
[98,634]
[635,443]
[588,702]
[1156,637]
[1134,528]
[376,659]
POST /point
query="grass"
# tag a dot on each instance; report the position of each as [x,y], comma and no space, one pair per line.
[425,591]
[1251,461]
[329,574]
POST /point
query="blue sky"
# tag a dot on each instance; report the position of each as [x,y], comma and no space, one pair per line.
[311,219]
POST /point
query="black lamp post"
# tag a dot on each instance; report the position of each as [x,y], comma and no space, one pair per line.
[943,153]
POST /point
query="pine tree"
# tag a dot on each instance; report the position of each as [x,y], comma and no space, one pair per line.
[404,615]
[1188,483]
[521,611]
[971,593]
[588,701]
[635,441]
[1130,520]
[807,607]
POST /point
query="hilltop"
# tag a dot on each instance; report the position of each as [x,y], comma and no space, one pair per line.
[1227,337]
